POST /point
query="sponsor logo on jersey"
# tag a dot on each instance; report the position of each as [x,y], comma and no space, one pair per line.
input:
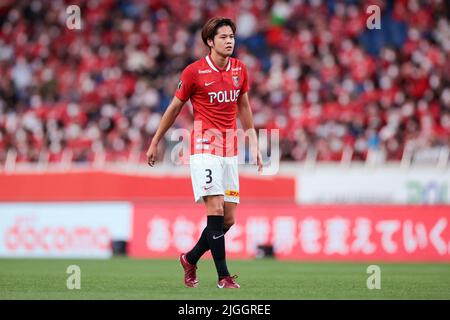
[236,69]
[224,96]
[204,71]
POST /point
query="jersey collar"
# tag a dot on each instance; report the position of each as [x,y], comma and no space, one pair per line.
[214,67]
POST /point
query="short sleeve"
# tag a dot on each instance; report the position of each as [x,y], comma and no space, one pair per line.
[185,85]
[245,85]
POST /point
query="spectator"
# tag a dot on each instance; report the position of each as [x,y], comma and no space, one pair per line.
[317,74]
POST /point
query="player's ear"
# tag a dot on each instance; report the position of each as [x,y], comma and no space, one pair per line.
[210,42]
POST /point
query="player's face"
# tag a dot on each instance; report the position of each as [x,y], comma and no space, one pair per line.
[224,41]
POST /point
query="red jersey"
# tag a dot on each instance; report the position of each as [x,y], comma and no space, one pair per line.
[214,93]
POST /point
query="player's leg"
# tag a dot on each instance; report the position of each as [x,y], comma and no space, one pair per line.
[214,206]
[228,215]
[216,240]
[231,186]
[202,245]
[229,218]
[206,175]
[231,199]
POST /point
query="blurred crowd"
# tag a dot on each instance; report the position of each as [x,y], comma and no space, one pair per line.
[317,73]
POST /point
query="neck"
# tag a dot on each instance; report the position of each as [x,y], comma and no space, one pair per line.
[219,60]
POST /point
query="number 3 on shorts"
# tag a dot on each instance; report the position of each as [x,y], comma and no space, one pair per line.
[209,172]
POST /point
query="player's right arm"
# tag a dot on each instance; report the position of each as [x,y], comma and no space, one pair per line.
[173,110]
[184,91]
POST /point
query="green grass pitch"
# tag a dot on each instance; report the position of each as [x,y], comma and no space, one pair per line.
[124,278]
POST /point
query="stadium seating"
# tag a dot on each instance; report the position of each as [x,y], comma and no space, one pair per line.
[335,89]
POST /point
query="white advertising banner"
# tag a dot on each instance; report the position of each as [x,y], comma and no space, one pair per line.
[336,185]
[63,230]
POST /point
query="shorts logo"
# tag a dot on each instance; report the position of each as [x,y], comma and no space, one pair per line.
[179,85]
[207,188]
[232,193]
[236,81]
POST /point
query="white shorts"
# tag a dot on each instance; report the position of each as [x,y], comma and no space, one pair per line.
[214,175]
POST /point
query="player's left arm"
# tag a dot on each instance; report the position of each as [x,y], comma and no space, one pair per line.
[246,117]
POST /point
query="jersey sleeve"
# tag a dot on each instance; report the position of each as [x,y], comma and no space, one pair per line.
[185,86]
[245,85]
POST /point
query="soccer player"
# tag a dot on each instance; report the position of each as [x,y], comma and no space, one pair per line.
[217,86]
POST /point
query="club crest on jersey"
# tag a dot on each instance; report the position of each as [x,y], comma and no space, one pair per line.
[236,81]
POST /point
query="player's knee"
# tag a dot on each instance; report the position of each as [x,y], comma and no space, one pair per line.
[216,209]
[214,205]
[228,223]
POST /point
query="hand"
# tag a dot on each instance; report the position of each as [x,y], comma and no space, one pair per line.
[259,162]
[257,154]
[151,154]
